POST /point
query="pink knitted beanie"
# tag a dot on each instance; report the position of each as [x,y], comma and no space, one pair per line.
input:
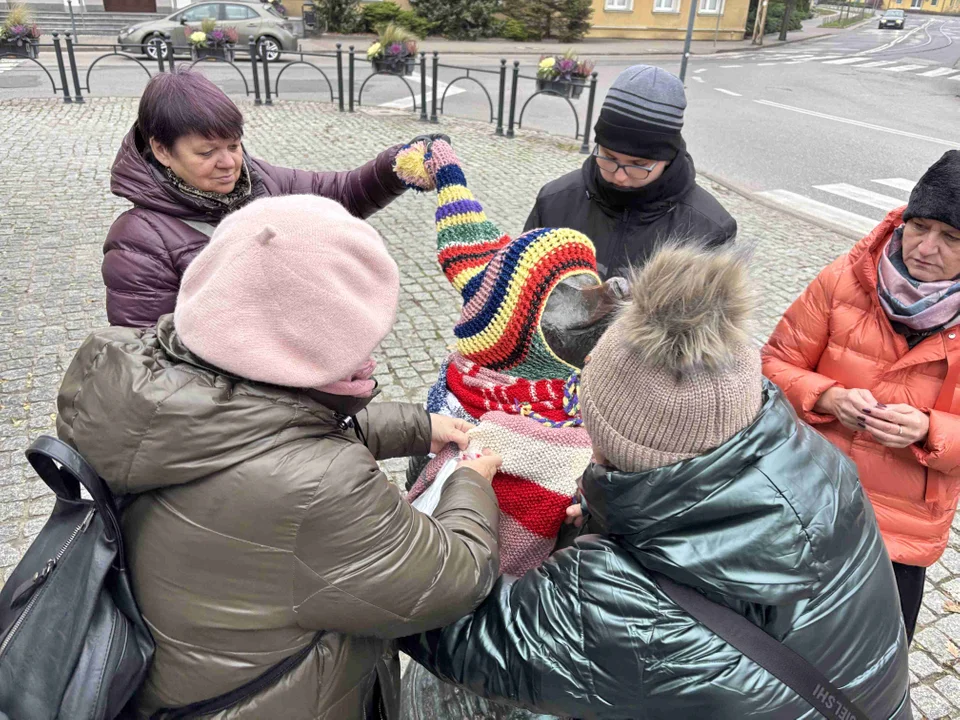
[292,291]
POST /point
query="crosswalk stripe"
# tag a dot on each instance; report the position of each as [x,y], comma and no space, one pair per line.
[879,63]
[767,64]
[731,66]
[938,72]
[845,61]
[857,223]
[898,183]
[904,68]
[866,197]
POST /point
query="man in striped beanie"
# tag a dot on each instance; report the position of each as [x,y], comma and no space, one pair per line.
[515,367]
[639,187]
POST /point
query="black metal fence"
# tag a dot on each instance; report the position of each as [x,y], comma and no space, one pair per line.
[336,77]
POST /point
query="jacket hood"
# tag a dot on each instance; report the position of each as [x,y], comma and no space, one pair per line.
[146,413]
[648,202]
[765,517]
[134,178]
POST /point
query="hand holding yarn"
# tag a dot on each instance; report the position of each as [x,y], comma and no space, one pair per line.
[416,164]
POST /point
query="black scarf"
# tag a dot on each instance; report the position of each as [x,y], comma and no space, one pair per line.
[650,201]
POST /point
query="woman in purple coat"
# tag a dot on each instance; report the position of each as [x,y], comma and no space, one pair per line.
[184,168]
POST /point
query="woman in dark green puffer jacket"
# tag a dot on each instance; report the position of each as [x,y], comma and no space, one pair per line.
[719,486]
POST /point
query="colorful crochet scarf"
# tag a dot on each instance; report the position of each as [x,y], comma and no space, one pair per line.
[919,308]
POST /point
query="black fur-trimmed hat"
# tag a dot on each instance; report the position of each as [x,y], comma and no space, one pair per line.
[937,195]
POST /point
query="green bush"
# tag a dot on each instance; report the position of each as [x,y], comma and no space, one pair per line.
[514,30]
[378,14]
[419,26]
[459,19]
[342,16]
[566,20]
[775,11]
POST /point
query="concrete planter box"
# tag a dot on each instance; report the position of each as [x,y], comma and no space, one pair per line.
[565,88]
[394,65]
[221,53]
[20,48]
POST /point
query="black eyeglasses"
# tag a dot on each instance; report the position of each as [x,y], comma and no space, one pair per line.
[634,172]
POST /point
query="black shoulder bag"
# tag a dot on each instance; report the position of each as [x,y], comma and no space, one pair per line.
[765,650]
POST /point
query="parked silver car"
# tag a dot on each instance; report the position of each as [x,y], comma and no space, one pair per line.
[893,18]
[272,32]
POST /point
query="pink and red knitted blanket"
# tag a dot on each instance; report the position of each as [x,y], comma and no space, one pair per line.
[541,466]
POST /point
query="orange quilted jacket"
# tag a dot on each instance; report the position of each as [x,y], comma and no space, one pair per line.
[836,333]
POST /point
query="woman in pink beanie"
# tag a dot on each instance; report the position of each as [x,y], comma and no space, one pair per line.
[262,531]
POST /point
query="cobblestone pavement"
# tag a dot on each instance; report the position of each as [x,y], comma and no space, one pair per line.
[56,208]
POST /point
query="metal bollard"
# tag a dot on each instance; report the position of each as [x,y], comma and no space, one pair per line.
[256,73]
[423,87]
[63,70]
[266,76]
[513,97]
[173,51]
[340,75]
[503,90]
[350,77]
[77,95]
[433,90]
[585,147]
[158,48]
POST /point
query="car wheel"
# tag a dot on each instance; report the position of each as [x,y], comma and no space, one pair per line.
[269,47]
[152,44]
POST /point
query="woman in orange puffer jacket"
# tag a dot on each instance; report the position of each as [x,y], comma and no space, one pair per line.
[870,354]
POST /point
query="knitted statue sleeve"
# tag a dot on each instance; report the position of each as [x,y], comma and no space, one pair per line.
[466,239]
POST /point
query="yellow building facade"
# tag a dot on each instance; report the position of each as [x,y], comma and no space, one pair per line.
[667,19]
[951,7]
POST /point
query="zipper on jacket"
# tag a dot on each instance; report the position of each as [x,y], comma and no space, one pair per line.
[40,578]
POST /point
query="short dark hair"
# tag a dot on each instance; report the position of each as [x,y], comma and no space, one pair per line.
[184,102]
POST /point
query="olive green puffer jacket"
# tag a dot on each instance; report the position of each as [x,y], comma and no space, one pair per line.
[261,518]
[773,524]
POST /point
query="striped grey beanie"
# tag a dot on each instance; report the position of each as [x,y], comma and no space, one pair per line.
[642,114]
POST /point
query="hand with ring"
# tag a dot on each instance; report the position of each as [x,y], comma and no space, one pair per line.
[896,426]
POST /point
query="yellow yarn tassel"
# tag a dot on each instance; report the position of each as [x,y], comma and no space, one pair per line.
[410,167]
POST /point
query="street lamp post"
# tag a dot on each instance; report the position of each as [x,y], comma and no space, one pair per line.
[73,21]
[686,42]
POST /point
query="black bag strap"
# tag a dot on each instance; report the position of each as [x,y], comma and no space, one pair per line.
[765,650]
[238,695]
[64,470]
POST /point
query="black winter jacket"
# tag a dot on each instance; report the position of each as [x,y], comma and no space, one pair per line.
[626,227]
[773,523]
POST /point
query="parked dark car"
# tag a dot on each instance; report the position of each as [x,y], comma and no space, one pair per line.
[272,32]
[893,18]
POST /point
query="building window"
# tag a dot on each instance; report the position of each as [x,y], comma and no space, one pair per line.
[710,7]
[618,5]
[666,6]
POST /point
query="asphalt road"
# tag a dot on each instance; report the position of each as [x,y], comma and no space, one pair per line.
[838,128]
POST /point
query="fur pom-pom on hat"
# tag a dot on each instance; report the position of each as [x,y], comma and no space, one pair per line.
[676,374]
[689,308]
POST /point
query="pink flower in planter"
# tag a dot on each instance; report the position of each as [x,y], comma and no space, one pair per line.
[394,49]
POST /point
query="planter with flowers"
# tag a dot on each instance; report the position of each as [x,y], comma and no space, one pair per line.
[211,41]
[18,35]
[394,52]
[564,75]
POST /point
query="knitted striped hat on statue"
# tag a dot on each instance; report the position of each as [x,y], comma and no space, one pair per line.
[504,282]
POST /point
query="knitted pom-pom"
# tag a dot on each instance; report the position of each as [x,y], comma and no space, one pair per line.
[410,167]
